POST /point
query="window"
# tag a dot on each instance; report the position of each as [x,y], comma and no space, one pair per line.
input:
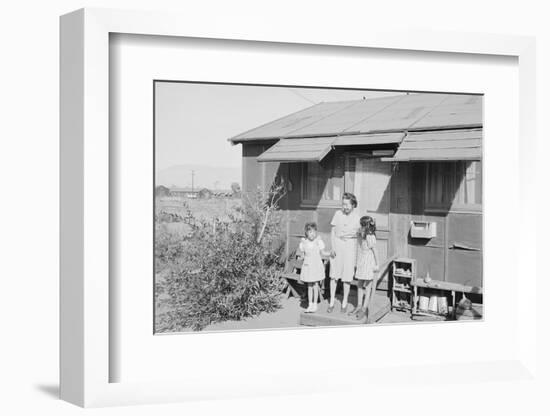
[323,183]
[469,191]
[453,185]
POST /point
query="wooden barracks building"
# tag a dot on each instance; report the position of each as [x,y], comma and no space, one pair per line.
[413,161]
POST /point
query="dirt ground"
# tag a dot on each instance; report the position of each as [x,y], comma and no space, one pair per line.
[289,317]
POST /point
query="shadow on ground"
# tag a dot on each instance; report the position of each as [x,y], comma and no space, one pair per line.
[51,390]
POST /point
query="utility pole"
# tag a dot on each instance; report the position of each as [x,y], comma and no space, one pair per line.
[192,181]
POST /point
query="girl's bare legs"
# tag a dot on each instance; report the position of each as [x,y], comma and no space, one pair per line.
[309,297]
[360,293]
[315,296]
[332,291]
[368,294]
[346,294]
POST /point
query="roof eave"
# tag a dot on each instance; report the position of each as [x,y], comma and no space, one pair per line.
[237,140]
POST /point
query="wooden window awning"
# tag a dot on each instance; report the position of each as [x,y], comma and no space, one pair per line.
[439,145]
[314,149]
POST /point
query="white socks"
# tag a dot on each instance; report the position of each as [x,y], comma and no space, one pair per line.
[312,307]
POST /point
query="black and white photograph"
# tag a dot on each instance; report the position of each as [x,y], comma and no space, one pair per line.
[297,207]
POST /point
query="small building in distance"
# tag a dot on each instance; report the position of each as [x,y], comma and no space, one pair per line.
[188,193]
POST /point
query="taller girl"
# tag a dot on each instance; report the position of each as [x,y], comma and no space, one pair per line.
[345,228]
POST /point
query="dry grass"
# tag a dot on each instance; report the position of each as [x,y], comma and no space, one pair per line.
[201,208]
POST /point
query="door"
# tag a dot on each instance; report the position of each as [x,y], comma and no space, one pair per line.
[371,186]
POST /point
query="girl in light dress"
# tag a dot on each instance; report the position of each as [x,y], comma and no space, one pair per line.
[367,265]
[311,249]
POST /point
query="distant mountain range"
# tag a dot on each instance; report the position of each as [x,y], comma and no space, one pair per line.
[211,177]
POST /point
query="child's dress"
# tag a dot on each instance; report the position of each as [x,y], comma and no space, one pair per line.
[313,269]
[365,258]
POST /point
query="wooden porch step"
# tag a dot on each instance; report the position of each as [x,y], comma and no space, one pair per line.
[379,308]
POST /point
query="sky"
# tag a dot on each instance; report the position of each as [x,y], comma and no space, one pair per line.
[194,121]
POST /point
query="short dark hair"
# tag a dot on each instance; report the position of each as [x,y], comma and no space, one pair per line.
[310,226]
[351,198]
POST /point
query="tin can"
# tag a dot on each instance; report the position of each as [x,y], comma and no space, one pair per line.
[442,306]
[432,307]
[423,302]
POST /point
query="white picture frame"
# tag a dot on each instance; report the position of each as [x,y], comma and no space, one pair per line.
[85,218]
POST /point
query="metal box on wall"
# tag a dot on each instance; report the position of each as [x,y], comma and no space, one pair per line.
[423,229]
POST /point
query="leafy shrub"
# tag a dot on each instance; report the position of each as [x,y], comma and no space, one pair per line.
[223,270]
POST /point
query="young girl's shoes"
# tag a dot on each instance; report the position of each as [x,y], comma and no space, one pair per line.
[311,308]
[355,311]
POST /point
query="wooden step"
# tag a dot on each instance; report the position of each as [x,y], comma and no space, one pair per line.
[380,306]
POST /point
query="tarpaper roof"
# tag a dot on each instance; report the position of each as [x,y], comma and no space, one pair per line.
[407,112]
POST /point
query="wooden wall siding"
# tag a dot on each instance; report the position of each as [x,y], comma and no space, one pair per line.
[295,177]
[417,186]
[252,170]
[465,229]
[429,259]
[465,267]
[462,264]
[324,217]
[464,249]
[406,202]
[429,253]
[254,173]
[400,210]
[372,185]
[270,171]
[297,221]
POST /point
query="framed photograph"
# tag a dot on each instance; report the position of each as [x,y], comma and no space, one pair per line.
[355,207]
[236,208]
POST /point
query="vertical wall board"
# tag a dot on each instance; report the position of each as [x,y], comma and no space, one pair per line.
[324,218]
[400,210]
[298,219]
[417,187]
[465,267]
[295,182]
[372,188]
[383,247]
[465,228]
[398,243]
[464,252]
[429,259]
[252,170]
[271,169]
[400,189]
